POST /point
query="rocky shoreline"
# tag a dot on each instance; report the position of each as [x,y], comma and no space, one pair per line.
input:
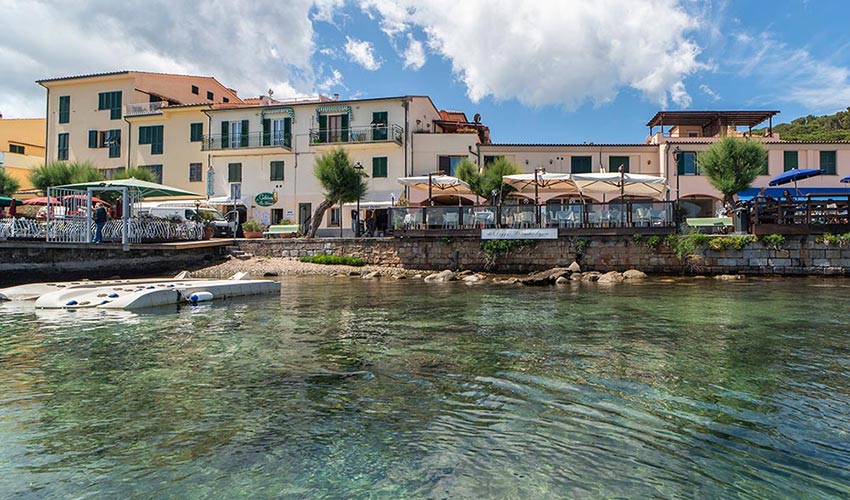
[283,266]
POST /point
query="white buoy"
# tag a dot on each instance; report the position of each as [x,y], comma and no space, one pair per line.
[200,297]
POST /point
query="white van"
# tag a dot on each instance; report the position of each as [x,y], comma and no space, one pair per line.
[221,228]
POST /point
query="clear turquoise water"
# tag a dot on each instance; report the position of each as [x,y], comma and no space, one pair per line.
[351,389]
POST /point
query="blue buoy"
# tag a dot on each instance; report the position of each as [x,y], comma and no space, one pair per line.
[71,303]
[112,295]
[200,297]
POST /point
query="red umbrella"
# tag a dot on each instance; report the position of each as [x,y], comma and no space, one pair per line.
[83,197]
[41,200]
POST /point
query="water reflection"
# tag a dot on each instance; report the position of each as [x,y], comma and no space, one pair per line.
[346,388]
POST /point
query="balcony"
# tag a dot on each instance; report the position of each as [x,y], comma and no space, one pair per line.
[220,142]
[372,134]
[144,108]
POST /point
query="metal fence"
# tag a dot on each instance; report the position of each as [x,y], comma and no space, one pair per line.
[141,230]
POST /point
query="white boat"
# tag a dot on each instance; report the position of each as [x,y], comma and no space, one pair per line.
[137,294]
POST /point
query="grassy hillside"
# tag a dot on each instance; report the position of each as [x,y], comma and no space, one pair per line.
[815,128]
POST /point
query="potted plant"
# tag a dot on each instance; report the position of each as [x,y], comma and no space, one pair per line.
[252,229]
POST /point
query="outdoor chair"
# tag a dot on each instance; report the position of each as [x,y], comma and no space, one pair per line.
[450,220]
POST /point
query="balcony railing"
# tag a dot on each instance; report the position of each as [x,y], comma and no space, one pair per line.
[249,140]
[354,135]
[144,108]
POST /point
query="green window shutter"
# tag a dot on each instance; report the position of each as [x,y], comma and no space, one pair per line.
[379,126]
[62,149]
[323,128]
[196,132]
[101,101]
[64,109]
[444,164]
[156,137]
[791,160]
[114,140]
[276,171]
[267,134]
[614,163]
[243,141]
[581,164]
[115,114]
[287,132]
[379,166]
[234,172]
[344,128]
[225,135]
[827,162]
[680,164]
[92,138]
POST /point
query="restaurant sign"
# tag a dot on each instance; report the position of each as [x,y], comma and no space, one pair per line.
[266,199]
[549,233]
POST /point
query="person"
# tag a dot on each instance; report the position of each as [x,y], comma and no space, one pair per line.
[2,213]
[789,208]
[99,222]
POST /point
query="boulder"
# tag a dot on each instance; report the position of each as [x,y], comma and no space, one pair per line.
[270,273]
[440,277]
[464,273]
[574,267]
[399,276]
[547,277]
[354,273]
[562,280]
[473,278]
[634,274]
[729,277]
[611,277]
[591,276]
[417,276]
[576,277]
[371,275]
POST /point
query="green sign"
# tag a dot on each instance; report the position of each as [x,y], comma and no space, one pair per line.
[266,199]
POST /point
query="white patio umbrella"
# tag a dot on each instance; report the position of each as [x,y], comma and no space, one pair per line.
[621,183]
[546,184]
[437,184]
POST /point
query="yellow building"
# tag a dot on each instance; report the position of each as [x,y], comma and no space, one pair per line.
[21,148]
[86,114]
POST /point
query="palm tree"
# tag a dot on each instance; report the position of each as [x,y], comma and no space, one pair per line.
[8,184]
[59,173]
[491,179]
[731,165]
[341,182]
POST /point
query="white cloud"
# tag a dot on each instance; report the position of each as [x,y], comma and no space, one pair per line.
[362,53]
[710,93]
[414,55]
[260,45]
[556,52]
[330,83]
[790,74]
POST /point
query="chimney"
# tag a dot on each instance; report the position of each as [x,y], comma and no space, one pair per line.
[336,97]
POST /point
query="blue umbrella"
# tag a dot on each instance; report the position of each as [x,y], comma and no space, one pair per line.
[795,175]
[845,180]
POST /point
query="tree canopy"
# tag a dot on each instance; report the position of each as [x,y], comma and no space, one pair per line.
[341,182]
[8,184]
[59,173]
[835,127]
[485,183]
[140,173]
[731,165]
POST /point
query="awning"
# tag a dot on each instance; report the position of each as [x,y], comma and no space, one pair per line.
[375,199]
[225,200]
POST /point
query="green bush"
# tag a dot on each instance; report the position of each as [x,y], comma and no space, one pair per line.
[333,260]
[637,238]
[252,226]
[774,241]
[494,249]
[738,242]
[653,242]
[834,239]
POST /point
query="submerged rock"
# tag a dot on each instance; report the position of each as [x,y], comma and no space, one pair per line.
[473,278]
[562,280]
[354,273]
[399,276]
[547,277]
[371,275]
[440,277]
[591,276]
[729,277]
[634,274]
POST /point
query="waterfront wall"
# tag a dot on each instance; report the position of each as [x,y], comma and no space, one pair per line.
[797,256]
[22,262]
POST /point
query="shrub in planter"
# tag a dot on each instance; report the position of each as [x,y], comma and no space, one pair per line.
[252,229]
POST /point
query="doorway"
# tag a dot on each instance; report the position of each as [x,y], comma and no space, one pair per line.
[305,213]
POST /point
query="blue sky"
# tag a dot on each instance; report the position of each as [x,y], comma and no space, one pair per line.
[537,71]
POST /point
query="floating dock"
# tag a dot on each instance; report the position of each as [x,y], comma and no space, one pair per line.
[139,293]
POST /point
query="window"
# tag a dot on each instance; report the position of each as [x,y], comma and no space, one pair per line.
[379,166]
[379,126]
[62,149]
[195,90]
[196,132]
[276,171]
[112,102]
[210,96]
[277,132]
[687,163]
[112,140]
[156,170]
[791,160]
[195,172]
[111,173]
[152,135]
[224,99]
[614,163]
[64,109]
[14,148]
[448,164]
[333,128]
[581,164]
[827,162]
[489,160]
[692,133]
[234,134]
[334,216]
[234,172]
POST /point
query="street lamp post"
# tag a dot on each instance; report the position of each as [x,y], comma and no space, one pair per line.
[536,197]
[357,166]
[676,154]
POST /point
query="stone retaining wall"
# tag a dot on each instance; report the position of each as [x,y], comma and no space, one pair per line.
[33,261]
[798,256]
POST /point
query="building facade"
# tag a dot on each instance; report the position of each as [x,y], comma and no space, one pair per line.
[21,148]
